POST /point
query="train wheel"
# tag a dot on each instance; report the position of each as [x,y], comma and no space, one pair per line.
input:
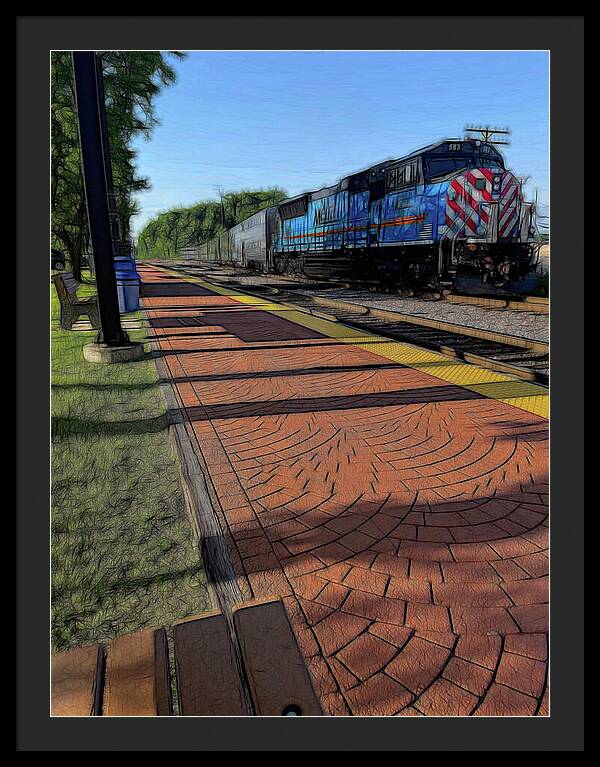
[297,266]
[279,264]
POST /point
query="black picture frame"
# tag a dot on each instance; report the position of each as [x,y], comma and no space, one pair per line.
[35,36]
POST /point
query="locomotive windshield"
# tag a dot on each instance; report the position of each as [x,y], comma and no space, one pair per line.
[439,166]
[435,167]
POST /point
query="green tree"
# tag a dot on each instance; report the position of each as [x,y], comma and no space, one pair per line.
[132,81]
[164,236]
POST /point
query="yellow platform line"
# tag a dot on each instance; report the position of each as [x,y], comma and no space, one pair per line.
[498,386]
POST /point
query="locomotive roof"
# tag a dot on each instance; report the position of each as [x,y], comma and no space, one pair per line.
[419,152]
[332,188]
[475,143]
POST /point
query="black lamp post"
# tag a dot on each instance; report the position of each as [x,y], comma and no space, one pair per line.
[97,175]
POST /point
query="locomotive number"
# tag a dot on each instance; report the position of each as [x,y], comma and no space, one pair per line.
[454,147]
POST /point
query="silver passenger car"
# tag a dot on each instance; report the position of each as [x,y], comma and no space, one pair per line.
[250,240]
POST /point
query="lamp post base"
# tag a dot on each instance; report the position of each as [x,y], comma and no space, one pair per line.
[99,352]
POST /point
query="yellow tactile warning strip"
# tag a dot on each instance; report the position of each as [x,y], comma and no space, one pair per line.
[530,397]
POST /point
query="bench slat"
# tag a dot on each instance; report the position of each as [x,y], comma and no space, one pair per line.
[67,287]
[77,681]
[277,675]
[137,676]
[72,307]
[207,675]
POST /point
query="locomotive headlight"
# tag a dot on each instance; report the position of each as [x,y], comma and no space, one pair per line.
[496,181]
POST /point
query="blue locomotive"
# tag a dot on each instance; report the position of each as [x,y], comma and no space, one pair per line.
[448,212]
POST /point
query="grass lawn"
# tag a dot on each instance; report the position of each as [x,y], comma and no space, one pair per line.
[122,551]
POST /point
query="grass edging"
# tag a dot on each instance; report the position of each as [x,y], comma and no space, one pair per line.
[123,556]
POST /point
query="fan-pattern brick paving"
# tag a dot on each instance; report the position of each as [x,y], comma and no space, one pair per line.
[403,520]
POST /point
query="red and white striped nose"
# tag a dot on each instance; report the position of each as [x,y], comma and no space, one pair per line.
[477,196]
[467,206]
[510,205]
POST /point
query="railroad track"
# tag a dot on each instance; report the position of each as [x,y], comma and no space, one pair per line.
[533,304]
[524,358]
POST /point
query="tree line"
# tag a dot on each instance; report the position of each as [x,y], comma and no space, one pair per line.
[164,236]
[132,80]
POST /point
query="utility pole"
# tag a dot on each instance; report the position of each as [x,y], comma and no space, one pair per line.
[112,342]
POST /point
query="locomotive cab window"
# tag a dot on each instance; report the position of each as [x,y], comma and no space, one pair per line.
[491,162]
[437,167]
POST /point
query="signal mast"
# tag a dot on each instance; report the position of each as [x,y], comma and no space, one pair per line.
[486,134]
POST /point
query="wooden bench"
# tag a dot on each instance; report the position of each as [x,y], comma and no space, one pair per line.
[71,307]
[266,676]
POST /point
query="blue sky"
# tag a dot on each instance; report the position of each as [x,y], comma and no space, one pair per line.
[301,120]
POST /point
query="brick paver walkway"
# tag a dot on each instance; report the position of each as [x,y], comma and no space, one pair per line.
[402,518]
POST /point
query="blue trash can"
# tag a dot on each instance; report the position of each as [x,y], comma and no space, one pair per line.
[128,291]
[124,264]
